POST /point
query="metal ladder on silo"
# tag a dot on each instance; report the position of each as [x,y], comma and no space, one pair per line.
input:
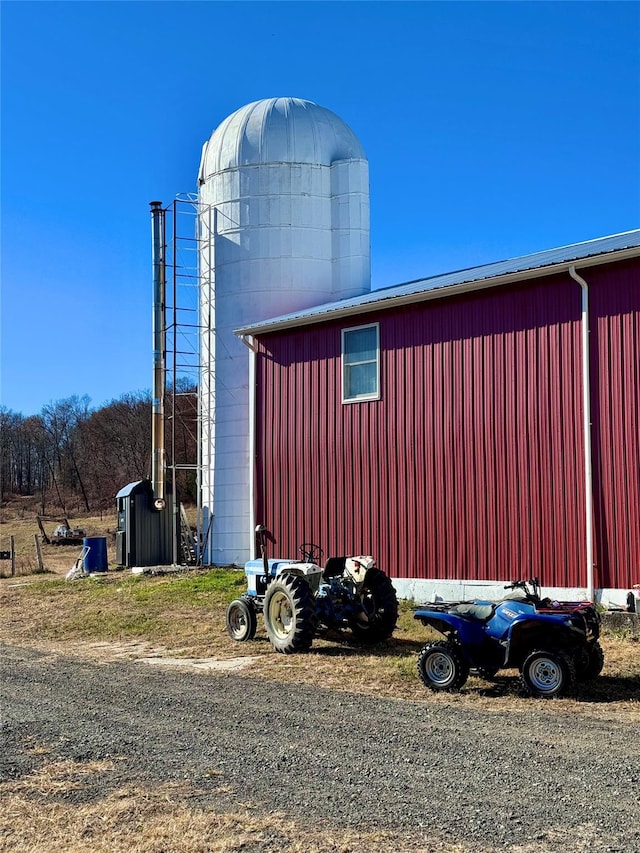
[187,542]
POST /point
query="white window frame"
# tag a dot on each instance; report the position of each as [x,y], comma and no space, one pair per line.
[364,397]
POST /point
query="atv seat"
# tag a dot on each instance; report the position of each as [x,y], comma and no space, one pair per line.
[479,612]
[333,567]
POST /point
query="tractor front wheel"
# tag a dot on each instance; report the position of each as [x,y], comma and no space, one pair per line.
[241,620]
[378,615]
[289,614]
[547,674]
[441,666]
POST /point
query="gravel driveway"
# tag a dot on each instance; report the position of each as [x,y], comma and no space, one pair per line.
[485,779]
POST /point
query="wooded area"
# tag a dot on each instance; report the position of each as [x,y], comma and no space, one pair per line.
[74,458]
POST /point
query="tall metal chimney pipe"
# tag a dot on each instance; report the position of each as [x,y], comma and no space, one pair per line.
[159,354]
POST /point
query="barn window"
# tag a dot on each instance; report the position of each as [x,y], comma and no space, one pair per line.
[360,363]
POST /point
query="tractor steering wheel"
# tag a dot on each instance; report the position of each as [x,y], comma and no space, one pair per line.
[311,553]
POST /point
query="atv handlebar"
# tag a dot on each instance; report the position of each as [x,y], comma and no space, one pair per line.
[531,587]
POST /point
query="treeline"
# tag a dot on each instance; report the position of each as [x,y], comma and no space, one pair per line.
[75,458]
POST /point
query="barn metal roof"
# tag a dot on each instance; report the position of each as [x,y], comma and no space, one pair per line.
[588,253]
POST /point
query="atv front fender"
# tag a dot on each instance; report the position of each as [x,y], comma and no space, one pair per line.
[534,633]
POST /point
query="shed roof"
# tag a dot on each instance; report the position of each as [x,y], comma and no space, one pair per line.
[588,253]
[137,487]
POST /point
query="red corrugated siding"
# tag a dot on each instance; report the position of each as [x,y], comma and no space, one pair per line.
[471,464]
[615,365]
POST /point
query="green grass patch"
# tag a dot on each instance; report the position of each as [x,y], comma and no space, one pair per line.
[184,610]
[211,587]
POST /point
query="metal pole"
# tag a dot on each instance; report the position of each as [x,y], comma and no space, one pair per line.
[174,486]
[199,431]
[586,396]
[159,349]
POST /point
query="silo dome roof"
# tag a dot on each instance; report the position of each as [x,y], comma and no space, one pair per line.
[279,130]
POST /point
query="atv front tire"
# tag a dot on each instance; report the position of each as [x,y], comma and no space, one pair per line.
[441,667]
[377,619]
[289,613]
[241,620]
[589,662]
[547,674]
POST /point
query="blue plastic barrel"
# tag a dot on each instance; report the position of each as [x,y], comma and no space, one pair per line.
[96,558]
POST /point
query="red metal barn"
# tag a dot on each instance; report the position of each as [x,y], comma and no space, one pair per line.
[440,426]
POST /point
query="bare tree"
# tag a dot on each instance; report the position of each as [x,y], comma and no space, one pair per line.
[71,453]
[117,439]
[62,421]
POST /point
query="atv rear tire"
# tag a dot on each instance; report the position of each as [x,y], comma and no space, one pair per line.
[290,614]
[442,667]
[547,674]
[241,620]
[589,662]
[379,614]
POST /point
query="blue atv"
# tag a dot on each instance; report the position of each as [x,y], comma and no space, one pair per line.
[552,643]
[298,597]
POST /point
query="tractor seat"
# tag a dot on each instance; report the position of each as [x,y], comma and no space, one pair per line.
[479,612]
[333,567]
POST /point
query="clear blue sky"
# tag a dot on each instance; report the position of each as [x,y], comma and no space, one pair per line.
[492,130]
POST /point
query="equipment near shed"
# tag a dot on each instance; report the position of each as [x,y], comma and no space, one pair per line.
[78,570]
[552,643]
[63,533]
[297,597]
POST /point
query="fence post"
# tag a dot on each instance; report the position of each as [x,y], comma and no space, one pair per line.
[13,556]
[36,539]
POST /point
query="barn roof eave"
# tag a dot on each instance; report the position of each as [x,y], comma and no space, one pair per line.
[462,281]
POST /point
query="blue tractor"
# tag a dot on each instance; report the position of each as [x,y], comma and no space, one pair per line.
[552,643]
[299,597]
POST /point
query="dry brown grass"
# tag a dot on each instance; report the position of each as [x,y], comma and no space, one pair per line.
[35,818]
[19,520]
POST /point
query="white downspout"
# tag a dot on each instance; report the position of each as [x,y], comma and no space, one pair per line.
[586,396]
[252,346]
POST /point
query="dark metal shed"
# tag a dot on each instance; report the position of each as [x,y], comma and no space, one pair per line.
[145,534]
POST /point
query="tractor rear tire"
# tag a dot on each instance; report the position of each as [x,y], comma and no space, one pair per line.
[379,614]
[547,674]
[441,667]
[589,662]
[289,614]
[241,620]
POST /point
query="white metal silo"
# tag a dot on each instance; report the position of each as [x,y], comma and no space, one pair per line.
[284,225]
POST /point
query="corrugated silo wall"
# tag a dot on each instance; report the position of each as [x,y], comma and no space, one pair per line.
[470,466]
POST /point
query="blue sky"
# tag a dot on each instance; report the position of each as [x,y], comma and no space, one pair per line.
[492,130]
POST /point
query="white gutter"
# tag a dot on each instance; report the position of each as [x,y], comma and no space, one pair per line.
[252,346]
[586,397]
